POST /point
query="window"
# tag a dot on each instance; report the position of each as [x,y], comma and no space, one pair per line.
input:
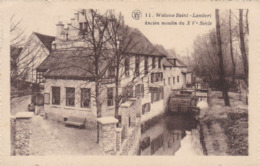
[161,90]
[85,97]
[56,95]
[156,77]
[127,65]
[139,90]
[169,81]
[173,80]
[39,78]
[111,71]
[158,94]
[85,26]
[146,65]
[153,62]
[159,63]
[178,79]
[70,96]
[110,96]
[137,65]
[80,27]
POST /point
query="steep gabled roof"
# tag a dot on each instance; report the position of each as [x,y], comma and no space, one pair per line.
[45,39]
[136,43]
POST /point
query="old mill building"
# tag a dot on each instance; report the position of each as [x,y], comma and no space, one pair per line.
[69,85]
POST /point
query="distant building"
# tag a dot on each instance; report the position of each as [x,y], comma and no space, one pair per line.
[35,50]
[69,86]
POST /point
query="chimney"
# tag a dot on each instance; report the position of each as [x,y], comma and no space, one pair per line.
[60,29]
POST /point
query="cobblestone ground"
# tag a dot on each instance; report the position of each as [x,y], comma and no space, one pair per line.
[51,138]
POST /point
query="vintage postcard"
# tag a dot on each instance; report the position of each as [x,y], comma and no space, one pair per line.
[130,83]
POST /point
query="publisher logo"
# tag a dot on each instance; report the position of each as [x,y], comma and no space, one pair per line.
[137,14]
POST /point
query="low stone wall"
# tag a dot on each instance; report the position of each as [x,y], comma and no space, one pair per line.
[20,133]
[12,126]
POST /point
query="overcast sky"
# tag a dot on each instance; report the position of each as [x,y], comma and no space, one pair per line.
[43,19]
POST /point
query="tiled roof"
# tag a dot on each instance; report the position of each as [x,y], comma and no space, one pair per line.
[169,62]
[45,39]
[69,63]
[136,43]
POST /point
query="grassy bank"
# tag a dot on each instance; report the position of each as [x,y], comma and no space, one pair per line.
[226,128]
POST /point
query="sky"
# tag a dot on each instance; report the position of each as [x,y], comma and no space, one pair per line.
[43,19]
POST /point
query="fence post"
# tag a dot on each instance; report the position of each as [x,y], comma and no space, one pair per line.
[107,134]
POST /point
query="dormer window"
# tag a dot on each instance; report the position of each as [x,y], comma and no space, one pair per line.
[80,27]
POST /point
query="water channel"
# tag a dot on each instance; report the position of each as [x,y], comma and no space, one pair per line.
[173,135]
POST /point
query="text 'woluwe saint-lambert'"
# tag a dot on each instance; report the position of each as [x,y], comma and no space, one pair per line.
[190,19]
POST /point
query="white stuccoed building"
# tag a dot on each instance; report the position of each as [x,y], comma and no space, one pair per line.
[69,86]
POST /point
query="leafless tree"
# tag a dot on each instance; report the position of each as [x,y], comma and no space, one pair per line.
[221,67]
[126,42]
[242,45]
[231,48]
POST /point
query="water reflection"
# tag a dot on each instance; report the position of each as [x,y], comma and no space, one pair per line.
[172,135]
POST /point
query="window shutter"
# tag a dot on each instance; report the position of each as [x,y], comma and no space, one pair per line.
[142,89]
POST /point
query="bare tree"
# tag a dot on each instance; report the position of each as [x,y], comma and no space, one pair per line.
[231,48]
[126,42]
[242,45]
[221,67]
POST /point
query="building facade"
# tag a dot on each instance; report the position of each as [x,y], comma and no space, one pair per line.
[34,52]
[69,87]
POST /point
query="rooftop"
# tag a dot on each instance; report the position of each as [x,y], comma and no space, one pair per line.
[45,39]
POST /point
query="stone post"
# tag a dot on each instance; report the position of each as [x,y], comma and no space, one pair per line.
[118,139]
[124,109]
[22,133]
[107,134]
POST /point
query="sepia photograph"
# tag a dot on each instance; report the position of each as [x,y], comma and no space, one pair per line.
[98,82]
[98,86]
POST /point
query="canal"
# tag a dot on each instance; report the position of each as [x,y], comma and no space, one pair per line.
[173,135]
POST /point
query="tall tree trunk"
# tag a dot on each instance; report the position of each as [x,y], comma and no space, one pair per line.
[242,45]
[117,100]
[221,66]
[247,27]
[231,49]
[97,91]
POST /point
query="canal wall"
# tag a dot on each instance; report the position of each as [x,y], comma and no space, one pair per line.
[122,138]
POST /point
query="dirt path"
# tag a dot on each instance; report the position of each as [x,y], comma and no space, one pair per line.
[226,128]
[50,138]
[20,104]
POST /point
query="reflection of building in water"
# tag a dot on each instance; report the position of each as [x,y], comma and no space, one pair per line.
[165,138]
